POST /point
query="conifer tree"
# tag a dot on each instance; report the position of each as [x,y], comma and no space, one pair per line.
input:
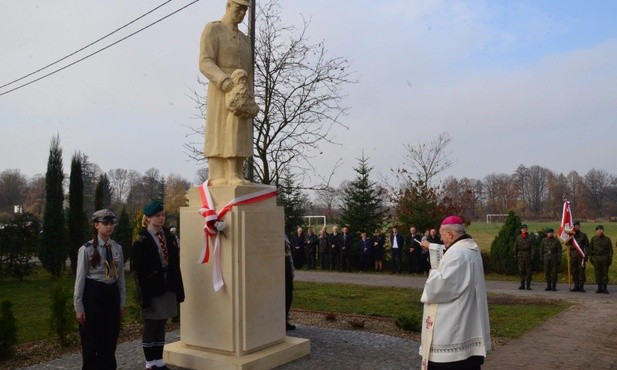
[290,197]
[102,193]
[503,260]
[77,221]
[123,234]
[363,209]
[53,250]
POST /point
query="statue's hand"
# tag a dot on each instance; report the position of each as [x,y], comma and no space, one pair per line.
[227,84]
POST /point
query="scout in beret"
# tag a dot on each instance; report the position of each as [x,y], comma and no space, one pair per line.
[156,262]
[100,293]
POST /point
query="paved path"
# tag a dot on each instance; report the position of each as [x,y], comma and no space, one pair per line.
[582,337]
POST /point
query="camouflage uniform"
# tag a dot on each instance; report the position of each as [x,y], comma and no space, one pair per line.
[601,256]
[551,255]
[577,266]
[523,248]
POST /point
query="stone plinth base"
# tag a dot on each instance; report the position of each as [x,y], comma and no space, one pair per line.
[191,358]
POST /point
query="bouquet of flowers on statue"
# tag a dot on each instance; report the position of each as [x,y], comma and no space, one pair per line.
[240,99]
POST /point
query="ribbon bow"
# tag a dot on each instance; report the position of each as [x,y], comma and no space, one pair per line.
[215,225]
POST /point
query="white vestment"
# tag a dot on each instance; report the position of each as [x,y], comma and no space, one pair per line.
[456,292]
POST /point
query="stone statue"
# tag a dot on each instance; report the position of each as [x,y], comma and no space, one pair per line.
[225,58]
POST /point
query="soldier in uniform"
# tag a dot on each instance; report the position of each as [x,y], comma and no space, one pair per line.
[523,249]
[551,255]
[601,256]
[100,294]
[577,263]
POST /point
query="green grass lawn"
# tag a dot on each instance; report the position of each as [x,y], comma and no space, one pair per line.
[31,301]
[511,319]
[508,318]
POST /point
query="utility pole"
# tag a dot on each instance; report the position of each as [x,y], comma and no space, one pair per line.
[250,166]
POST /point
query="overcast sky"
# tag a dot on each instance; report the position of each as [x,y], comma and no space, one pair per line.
[513,82]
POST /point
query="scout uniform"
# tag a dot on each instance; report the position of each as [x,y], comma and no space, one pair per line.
[100,293]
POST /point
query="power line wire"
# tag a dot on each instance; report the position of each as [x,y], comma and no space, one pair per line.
[99,50]
[87,46]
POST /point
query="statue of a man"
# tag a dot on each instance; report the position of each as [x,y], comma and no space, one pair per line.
[225,59]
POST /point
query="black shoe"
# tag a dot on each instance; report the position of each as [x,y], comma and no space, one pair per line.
[582,290]
[600,289]
[522,286]
[548,288]
[289,326]
[554,289]
[164,367]
[575,289]
[528,287]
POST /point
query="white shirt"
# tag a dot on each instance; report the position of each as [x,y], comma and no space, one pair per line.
[394,242]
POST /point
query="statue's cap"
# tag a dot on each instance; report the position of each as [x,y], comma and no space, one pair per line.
[241,2]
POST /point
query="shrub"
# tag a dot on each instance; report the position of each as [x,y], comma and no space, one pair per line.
[8,331]
[357,323]
[410,321]
[62,319]
[503,260]
[330,316]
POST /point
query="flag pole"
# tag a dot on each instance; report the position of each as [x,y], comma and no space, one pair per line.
[565,199]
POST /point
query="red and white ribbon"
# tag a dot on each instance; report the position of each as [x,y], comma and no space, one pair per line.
[211,216]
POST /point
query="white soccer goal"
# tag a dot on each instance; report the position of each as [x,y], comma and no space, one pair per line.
[496,217]
[315,223]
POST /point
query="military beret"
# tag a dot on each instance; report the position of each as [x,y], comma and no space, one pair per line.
[152,208]
[550,230]
[523,226]
[599,227]
[103,215]
[576,223]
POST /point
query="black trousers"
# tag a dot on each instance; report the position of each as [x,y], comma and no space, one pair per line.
[99,333]
[472,363]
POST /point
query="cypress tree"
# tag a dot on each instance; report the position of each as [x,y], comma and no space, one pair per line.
[123,234]
[102,193]
[53,250]
[77,217]
[503,260]
[363,209]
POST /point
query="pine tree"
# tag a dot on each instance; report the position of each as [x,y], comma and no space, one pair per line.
[123,234]
[102,193]
[53,251]
[503,260]
[77,220]
[290,197]
[363,209]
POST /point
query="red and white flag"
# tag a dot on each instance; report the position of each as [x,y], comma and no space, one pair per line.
[567,226]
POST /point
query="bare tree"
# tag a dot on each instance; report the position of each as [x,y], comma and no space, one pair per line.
[119,181]
[598,182]
[428,160]
[13,186]
[300,92]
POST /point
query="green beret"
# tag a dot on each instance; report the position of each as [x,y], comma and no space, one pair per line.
[550,230]
[103,215]
[599,227]
[152,208]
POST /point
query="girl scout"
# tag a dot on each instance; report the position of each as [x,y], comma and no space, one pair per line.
[100,294]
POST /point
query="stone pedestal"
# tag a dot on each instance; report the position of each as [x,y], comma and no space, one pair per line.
[242,326]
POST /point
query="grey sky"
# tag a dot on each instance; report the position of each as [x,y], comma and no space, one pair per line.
[531,82]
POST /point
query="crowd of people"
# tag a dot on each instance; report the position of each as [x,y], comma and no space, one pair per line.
[340,250]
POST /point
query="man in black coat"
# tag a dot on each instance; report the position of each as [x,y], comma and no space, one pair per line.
[335,247]
[297,248]
[415,251]
[346,250]
[396,246]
